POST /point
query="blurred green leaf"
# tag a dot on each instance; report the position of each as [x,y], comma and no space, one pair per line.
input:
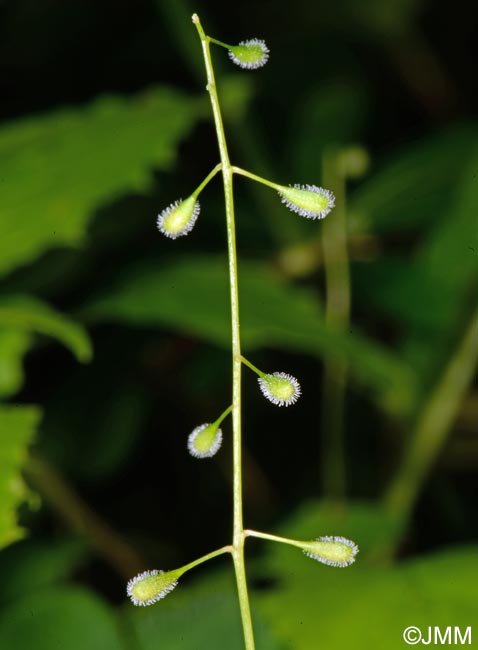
[363,606]
[17,428]
[237,93]
[450,252]
[28,314]
[115,404]
[59,167]
[371,608]
[14,344]
[205,615]
[430,293]
[417,185]
[402,290]
[67,617]
[192,295]
[30,565]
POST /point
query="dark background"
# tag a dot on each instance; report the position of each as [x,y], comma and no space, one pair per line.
[396,78]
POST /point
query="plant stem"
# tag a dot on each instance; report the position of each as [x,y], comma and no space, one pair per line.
[214,40]
[224,414]
[258,179]
[337,316]
[238,529]
[252,367]
[174,16]
[273,538]
[209,177]
[205,558]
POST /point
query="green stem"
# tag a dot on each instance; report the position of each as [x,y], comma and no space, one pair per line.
[173,15]
[205,558]
[209,177]
[252,367]
[238,529]
[273,538]
[337,317]
[224,414]
[220,43]
[258,179]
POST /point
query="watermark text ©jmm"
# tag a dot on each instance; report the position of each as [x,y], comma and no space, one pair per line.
[436,635]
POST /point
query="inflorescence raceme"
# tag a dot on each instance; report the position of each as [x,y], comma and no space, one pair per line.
[282,389]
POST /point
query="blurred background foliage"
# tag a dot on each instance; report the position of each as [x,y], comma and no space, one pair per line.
[114,341]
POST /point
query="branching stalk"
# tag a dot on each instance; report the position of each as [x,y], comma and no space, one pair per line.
[273,538]
[238,531]
[255,177]
[208,178]
[280,388]
[205,558]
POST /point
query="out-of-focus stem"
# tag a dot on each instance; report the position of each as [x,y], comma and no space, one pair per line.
[421,69]
[337,316]
[63,500]
[433,426]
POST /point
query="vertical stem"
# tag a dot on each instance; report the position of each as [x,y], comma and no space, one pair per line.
[337,316]
[238,529]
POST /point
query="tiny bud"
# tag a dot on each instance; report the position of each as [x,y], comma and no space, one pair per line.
[280,388]
[309,201]
[334,551]
[150,586]
[250,54]
[205,440]
[179,218]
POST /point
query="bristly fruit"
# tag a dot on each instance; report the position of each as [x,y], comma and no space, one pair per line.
[280,388]
[332,550]
[309,201]
[179,218]
[150,586]
[250,55]
[205,441]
